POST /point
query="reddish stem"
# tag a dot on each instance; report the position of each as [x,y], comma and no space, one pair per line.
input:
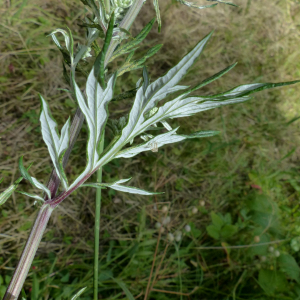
[22,269]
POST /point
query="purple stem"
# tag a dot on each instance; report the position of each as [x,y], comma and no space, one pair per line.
[28,253]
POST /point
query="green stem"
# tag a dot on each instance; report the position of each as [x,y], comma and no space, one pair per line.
[97,225]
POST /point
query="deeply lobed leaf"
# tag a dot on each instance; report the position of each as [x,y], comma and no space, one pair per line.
[96,114]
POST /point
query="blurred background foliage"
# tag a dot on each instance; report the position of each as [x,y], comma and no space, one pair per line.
[239,191]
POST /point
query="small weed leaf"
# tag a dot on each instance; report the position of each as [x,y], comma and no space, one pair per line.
[31,195]
[288,265]
[272,281]
[68,41]
[137,64]
[8,192]
[31,179]
[221,227]
[217,220]
[248,89]
[213,78]
[116,186]
[132,45]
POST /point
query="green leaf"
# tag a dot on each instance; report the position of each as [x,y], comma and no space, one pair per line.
[288,265]
[82,52]
[248,89]
[227,218]
[157,11]
[99,13]
[126,32]
[116,186]
[93,25]
[271,281]
[8,192]
[31,179]
[68,41]
[213,78]
[125,95]
[79,293]
[137,64]
[31,195]
[262,203]
[213,231]
[228,231]
[24,172]
[216,220]
[194,230]
[202,134]
[99,62]
[132,45]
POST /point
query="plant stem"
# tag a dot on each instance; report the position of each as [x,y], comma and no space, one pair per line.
[97,224]
[22,269]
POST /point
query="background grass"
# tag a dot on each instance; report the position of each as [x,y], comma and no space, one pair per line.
[246,179]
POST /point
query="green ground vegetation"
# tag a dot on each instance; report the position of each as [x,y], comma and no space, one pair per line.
[239,191]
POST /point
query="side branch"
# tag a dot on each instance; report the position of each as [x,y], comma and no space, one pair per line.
[77,122]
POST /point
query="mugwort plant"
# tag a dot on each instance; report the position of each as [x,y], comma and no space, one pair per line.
[109,22]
